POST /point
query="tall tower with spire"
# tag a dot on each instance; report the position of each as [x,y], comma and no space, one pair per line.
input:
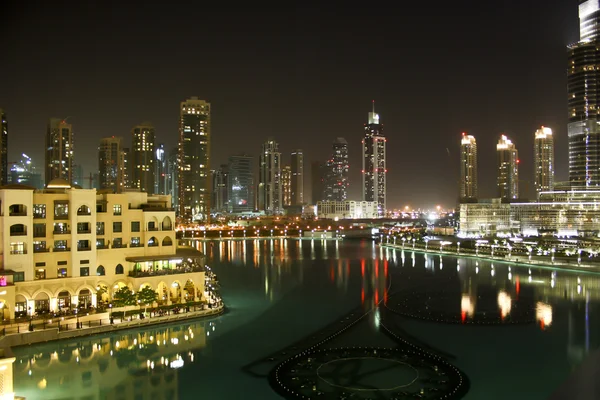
[374,168]
[583,99]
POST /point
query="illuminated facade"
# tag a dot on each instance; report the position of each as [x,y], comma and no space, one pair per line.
[270,193]
[220,179]
[562,213]
[25,173]
[3,148]
[59,150]
[286,185]
[508,169]
[142,157]
[194,160]
[543,156]
[161,178]
[583,100]
[297,177]
[468,167]
[240,188]
[61,245]
[374,166]
[347,209]
[111,164]
[338,180]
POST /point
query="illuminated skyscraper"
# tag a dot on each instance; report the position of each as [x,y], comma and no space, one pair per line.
[3,148]
[126,156]
[374,167]
[240,191]
[286,185]
[317,172]
[270,194]
[194,160]
[220,178]
[339,172]
[508,169]
[142,157]
[160,170]
[59,150]
[297,177]
[583,88]
[468,168]
[543,149]
[110,164]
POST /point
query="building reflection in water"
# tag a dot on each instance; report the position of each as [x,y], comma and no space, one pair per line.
[143,364]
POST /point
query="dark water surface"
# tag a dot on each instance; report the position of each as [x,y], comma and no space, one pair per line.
[515,333]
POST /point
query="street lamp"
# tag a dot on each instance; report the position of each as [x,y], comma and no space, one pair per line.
[30,319]
[493,249]
[553,250]
[413,243]
[477,249]
[77,316]
[530,249]
[509,249]
[244,234]
[426,242]
[457,247]
[578,256]
[110,314]
[403,241]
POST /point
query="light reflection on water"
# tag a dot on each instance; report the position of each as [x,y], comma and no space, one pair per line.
[269,280]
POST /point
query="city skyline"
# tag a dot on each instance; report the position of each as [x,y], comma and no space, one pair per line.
[338,107]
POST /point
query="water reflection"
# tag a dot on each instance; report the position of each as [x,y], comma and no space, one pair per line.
[140,364]
[557,304]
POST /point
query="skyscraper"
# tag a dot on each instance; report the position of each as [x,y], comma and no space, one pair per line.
[3,148]
[25,173]
[317,181]
[220,177]
[142,157]
[270,196]
[468,168]
[173,176]
[126,156]
[374,167]
[110,163]
[508,169]
[59,150]
[543,149]
[583,99]
[286,185]
[194,159]
[297,177]
[160,170]
[240,189]
[339,170]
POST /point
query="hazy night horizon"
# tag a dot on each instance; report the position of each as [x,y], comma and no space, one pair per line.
[303,75]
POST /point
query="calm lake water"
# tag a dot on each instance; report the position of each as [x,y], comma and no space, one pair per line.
[516,333]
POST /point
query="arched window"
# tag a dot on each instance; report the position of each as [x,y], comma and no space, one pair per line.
[167,241]
[119,269]
[17,210]
[100,271]
[152,242]
[84,210]
[167,225]
[18,230]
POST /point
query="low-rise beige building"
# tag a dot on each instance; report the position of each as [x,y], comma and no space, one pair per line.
[63,245]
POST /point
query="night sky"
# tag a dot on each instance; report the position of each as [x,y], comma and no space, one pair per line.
[303,76]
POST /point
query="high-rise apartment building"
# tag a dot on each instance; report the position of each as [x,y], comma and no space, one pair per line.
[297,177]
[142,157]
[374,169]
[270,196]
[584,99]
[220,178]
[468,168]
[25,173]
[508,169]
[59,150]
[240,189]
[160,170]
[543,152]
[194,159]
[339,170]
[110,164]
[173,176]
[317,170]
[126,156]
[286,185]
[3,148]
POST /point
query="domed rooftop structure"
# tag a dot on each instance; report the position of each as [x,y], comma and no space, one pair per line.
[58,183]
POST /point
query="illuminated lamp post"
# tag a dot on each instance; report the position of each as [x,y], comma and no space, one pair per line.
[457,247]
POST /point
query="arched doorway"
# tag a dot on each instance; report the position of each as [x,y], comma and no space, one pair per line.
[20,306]
[175,292]
[41,303]
[189,291]
[85,298]
[163,293]
[63,301]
